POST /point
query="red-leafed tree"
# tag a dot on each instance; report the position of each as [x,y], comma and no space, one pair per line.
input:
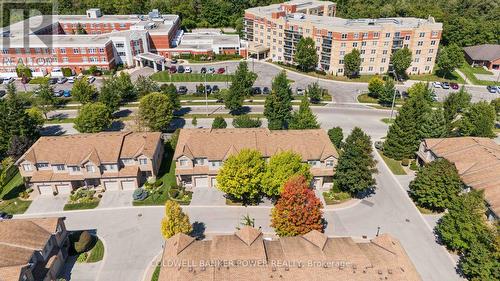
[298,210]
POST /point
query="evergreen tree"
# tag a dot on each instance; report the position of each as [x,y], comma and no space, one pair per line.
[478,120]
[481,262]
[434,125]
[352,63]
[171,91]
[422,88]
[219,123]
[278,105]
[436,185]
[306,56]
[387,95]
[336,135]
[356,166]
[241,87]
[455,103]
[175,220]
[245,121]
[304,118]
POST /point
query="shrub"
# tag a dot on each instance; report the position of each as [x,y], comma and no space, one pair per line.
[29,190]
[82,195]
[99,195]
[413,165]
[158,183]
[66,71]
[405,162]
[140,194]
[245,121]
[84,242]
[54,193]
[173,193]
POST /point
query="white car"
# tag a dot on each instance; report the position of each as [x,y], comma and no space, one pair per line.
[188,69]
[300,91]
[436,84]
[8,80]
[71,79]
[91,79]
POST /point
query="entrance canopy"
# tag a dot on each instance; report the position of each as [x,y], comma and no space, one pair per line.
[154,60]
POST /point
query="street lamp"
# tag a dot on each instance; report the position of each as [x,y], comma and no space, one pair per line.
[394,96]
[378,231]
[206,95]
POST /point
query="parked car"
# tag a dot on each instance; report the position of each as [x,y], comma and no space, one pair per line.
[436,84]
[52,81]
[493,89]
[182,90]
[266,91]
[71,79]
[215,89]
[188,69]
[173,61]
[5,216]
[172,69]
[379,145]
[180,69]
[445,85]
[2,93]
[211,70]
[208,89]
[221,70]
[454,86]
[300,91]
[62,80]
[58,93]
[91,79]
[67,93]
[203,70]
[256,91]
[8,80]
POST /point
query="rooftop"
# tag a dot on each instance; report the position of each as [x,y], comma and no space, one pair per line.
[486,52]
[246,255]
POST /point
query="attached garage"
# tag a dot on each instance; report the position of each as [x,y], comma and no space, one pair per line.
[45,189]
[63,188]
[129,185]
[111,185]
[201,182]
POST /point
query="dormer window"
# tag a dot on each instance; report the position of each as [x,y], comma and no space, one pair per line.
[42,165]
[90,168]
[200,161]
[183,163]
[143,161]
[329,163]
[313,163]
[110,167]
[128,161]
[27,167]
[74,168]
[59,167]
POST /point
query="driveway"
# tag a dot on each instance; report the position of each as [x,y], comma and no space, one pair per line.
[206,196]
[116,199]
[80,271]
[47,204]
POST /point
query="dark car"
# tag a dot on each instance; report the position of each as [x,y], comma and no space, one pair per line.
[256,91]
[215,89]
[203,70]
[182,90]
[52,81]
[208,88]
[266,91]
[454,86]
[173,61]
[5,216]
[172,69]
[58,93]
[180,69]
[445,85]
[221,70]
[492,89]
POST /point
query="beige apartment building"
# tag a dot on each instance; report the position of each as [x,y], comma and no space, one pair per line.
[273,32]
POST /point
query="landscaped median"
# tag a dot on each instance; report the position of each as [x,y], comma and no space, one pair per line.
[82,198]
[86,247]
[165,76]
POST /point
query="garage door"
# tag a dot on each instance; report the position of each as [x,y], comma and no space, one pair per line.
[111,185]
[201,182]
[214,182]
[45,189]
[128,185]
[63,188]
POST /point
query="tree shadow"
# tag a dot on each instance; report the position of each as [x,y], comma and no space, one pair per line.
[176,123]
[366,193]
[52,130]
[122,113]
[198,230]
[245,201]
[241,111]
[14,192]
[182,111]
[117,125]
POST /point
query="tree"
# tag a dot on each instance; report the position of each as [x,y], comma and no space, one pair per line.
[478,120]
[241,175]
[464,223]
[401,60]
[436,185]
[171,91]
[449,58]
[352,63]
[36,115]
[306,56]
[387,95]
[18,145]
[125,86]
[375,87]
[219,123]
[405,133]
[156,111]
[281,167]
[83,91]
[434,125]
[93,118]
[278,105]
[455,103]
[304,118]
[175,220]
[145,85]
[481,262]
[245,121]
[422,88]
[315,92]
[356,166]
[194,122]
[110,95]
[496,104]
[336,135]
[45,100]
[298,210]
[241,87]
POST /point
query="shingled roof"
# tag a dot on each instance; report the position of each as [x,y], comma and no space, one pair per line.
[485,52]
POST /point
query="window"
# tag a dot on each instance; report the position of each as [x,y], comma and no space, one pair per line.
[407,37]
[416,60]
[121,54]
[387,35]
[183,162]
[356,35]
[373,51]
[427,68]
[386,43]
[354,44]
[374,43]
[92,50]
[215,164]
[62,50]
[59,167]
[76,51]
[420,43]
[384,52]
[143,161]
[431,51]
[341,61]
[362,52]
[384,60]
[370,68]
[365,35]
[434,33]
[382,69]
[414,69]
[313,162]
[74,168]
[376,34]
[372,59]
[110,167]
[37,50]
[90,168]
[340,70]
[27,167]
[433,42]
[122,25]
[84,59]
[363,43]
[120,45]
[103,59]
[101,50]
[342,53]
[417,52]
[329,163]
[344,35]
[127,161]
[199,161]
[429,59]
[42,165]
[83,50]
[422,34]
[65,60]
[342,45]
[397,34]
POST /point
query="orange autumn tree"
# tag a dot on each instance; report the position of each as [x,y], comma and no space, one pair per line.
[298,210]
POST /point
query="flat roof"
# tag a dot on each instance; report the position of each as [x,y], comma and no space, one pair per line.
[211,38]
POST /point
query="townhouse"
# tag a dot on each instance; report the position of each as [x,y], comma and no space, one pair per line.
[273,32]
[200,153]
[111,160]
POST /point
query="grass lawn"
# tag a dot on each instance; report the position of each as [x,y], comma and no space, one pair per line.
[59,120]
[164,76]
[39,80]
[394,165]
[97,253]
[426,211]
[13,187]
[438,76]
[230,202]
[469,72]
[15,206]
[156,273]
[81,206]
[362,78]
[387,120]
[12,204]
[337,198]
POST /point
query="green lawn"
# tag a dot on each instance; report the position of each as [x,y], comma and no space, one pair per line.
[394,165]
[13,187]
[12,204]
[469,72]
[39,80]
[362,78]
[15,206]
[336,197]
[81,206]
[439,76]
[156,273]
[480,70]
[97,253]
[365,98]
[387,120]
[164,76]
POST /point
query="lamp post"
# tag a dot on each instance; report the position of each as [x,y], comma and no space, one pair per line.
[206,95]
[394,96]
[378,231]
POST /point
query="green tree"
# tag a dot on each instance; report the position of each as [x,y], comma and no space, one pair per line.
[405,133]
[387,95]
[455,103]
[496,104]
[449,58]
[352,63]
[436,185]
[401,60]
[375,87]
[306,56]
[110,95]
[171,91]
[93,118]
[45,99]
[478,120]
[241,175]
[434,125]
[156,111]
[315,92]
[194,122]
[83,91]
[481,262]
[422,88]
[278,105]
[175,220]
[336,135]
[298,210]
[356,166]
[281,167]
[219,123]
[245,121]
[241,87]
[36,114]
[145,85]
[125,86]
[304,118]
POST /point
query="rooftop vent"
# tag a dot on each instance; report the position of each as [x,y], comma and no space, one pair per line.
[94,13]
[154,14]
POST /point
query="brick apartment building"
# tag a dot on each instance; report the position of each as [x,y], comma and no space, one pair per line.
[273,32]
[49,42]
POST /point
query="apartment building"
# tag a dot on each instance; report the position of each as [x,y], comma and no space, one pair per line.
[112,160]
[32,249]
[273,32]
[200,153]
